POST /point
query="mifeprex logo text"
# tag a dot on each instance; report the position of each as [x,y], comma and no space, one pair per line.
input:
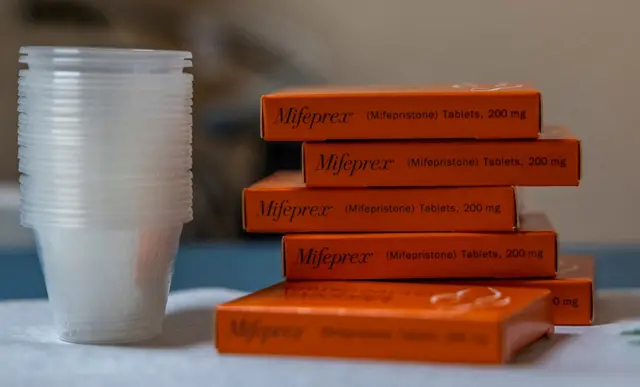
[304,117]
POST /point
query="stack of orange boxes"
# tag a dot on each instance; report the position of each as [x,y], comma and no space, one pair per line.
[400,191]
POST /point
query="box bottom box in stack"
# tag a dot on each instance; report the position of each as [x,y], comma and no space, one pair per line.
[572,291]
[391,321]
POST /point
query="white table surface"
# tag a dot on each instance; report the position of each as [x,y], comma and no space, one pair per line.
[184,356]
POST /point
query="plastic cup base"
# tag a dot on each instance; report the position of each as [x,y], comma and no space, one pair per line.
[110,334]
[107,286]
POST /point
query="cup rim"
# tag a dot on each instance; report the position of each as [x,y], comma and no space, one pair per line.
[81,50]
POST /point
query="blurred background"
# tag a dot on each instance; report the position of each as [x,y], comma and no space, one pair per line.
[582,54]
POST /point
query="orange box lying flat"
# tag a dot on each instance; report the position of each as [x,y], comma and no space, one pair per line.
[401,321]
[490,111]
[530,252]
[281,203]
[552,160]
[572,291]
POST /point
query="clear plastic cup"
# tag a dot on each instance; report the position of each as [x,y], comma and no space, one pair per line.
[71,168]
[102,183]
[142,110]
[90,200]
[104,142]
[33,185]
[138,110]
[75,99]
[104,61]
[79,138]
[79,76]
[173,144]
[178,139]
[124,122]
[107,95]
[105,212]
[30,159]
[81,173]
[121,86]
[48,51]
[95,173]
[178,134]
[108,285]
[32,218]
[125,205]
[61,107]
[87,195]
[99,131]
[106,99]
[59,126]
[173,85]
[127,121]
[64,74]
[56,127]
[100,154]
[116,162]
[123,210]
[105,152]
[95,203]
[110,64]
[93,77]
[102,172]
[35,220]
[136,201]
[116,134]
[98,213]
[104,129]
[42,101]
[127,212]
[104,164]
[96,77]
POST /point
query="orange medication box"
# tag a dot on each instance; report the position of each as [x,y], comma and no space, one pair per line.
[530,252]
[552,160]
[391,321]
[281,203]
[472,111]
[572,291]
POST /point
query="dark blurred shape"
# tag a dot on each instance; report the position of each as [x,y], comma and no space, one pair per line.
[63,12]
[235,61]
[237,117]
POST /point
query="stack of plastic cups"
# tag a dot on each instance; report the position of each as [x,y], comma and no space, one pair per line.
[105,155]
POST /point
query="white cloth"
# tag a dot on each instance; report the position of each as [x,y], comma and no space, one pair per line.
[30,355]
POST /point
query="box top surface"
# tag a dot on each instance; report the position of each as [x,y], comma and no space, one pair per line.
[281,179]
[535,221]
[576,267]
[377,90]
[408,300]
[287,180]
[530,222]
[571,268]
[557,132]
